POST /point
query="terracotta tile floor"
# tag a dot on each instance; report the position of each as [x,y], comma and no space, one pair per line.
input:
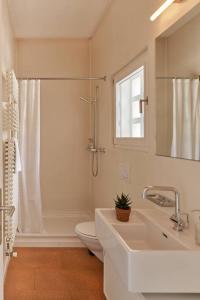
[54,274]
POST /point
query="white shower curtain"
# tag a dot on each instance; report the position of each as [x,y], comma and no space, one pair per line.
[186,119]
[30,206]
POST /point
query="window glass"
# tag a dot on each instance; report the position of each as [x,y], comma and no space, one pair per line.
[129,91]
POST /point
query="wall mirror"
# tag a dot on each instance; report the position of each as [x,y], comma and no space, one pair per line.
[178,91]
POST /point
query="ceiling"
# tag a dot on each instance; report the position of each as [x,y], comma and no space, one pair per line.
[56,18]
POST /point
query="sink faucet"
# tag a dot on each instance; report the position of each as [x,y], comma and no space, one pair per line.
[179,224]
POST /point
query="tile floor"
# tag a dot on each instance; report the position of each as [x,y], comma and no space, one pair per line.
[54,274]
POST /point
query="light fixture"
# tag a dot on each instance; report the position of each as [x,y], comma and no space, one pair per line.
[162,8]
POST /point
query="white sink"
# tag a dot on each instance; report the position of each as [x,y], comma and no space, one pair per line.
[149,256]
[143,237]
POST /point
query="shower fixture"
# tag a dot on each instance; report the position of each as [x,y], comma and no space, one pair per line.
[93,141]
[63,78]
[88,100]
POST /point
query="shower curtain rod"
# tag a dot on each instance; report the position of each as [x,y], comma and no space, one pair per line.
[62,78]
[176,77]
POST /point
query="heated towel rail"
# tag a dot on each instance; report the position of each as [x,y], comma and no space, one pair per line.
[10,137]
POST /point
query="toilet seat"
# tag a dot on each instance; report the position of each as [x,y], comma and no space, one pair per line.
[87,229]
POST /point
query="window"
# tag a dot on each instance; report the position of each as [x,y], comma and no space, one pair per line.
[130,87]
[129,92]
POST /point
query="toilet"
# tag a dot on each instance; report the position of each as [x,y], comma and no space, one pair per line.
[87,234]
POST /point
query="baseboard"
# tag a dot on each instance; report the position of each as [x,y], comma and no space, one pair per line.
[47,241]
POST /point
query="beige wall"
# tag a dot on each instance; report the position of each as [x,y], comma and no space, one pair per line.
[183,50]
[7,40]
[124,32]
[65,180]
[164,107]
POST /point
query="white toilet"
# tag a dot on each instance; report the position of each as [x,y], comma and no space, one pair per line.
[87,234]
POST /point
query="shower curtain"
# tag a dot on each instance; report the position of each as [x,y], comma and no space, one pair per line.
[30,206]
[186,119]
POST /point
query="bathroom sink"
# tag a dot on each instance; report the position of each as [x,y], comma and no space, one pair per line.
[149,256]
[143,237]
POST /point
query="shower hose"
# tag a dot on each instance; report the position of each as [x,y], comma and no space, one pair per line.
[95,164]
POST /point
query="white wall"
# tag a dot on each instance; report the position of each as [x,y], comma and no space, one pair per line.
[123,33]
[65,180]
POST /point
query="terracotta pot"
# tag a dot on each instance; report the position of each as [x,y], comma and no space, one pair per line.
[123,214]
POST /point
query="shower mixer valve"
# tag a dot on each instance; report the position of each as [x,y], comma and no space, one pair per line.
[91,144]
[91,147]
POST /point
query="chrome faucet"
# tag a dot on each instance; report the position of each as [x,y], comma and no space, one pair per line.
[179,223]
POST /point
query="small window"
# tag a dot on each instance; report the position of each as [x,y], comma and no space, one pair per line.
[129,92]
[130,121]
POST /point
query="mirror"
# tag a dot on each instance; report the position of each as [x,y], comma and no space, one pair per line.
[178,92]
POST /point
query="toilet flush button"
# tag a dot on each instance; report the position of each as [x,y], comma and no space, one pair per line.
[124,171]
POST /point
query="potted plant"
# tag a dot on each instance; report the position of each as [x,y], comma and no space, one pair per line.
[123,207]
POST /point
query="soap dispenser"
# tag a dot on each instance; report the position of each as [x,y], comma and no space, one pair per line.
[197,225]
[197,231]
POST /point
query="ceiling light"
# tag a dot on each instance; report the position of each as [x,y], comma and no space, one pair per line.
[162,8]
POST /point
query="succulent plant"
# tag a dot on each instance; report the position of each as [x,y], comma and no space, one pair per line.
[123,201]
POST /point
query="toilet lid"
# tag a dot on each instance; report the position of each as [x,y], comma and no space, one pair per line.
[87,228]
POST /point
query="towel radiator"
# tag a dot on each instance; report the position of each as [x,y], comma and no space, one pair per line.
[10,132]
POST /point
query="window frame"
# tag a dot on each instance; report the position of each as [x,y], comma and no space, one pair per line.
[137,143]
